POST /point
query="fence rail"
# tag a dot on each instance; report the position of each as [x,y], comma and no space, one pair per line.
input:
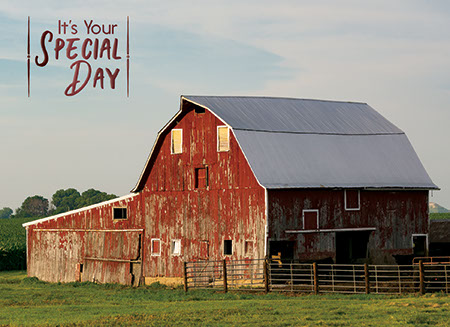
[282,276]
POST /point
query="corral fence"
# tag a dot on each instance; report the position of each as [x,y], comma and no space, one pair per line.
[288,276]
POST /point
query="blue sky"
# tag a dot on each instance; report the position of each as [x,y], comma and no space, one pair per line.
[392,55]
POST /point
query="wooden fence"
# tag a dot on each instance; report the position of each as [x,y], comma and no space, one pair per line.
[281,276]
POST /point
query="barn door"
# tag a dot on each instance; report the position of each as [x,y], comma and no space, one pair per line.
[420,245]
[351,247]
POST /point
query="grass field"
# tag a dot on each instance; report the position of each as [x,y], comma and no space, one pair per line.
[440,215]
[27,301]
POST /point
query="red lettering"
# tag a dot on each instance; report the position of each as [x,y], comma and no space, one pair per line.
[71,47]
[72,88]
[106,46]
[84,54]
[44,50]
[59,45]
[112,77]
[115,47]
[99,76]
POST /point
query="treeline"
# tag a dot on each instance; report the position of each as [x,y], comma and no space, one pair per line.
[12,234]
[63,200]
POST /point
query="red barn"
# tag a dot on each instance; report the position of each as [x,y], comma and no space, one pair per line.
[249,177]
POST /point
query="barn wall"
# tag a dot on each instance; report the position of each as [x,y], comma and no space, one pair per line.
[91,238]
[232,207]
[396,215]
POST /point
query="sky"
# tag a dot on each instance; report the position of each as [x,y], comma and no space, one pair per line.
[393,55]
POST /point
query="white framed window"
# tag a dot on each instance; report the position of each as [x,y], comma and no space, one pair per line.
[156,247]
[176,141]
[176,247]
[119,213]
[352,200]
[310,219]
[223,138]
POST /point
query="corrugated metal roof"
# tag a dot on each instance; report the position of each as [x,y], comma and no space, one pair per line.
[287,160]
[292,143]
[297,115]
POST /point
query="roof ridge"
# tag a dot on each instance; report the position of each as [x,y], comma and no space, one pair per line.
[270,97]
[315,133]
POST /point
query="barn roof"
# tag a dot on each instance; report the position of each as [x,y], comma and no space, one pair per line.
[300,143]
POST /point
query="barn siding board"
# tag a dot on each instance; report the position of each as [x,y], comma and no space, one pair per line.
[396,215]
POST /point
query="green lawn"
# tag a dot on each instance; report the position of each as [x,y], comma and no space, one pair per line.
[27,301]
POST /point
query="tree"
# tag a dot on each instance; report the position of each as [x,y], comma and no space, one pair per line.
[65,200]
[92,196]
[5,213]
[33,206]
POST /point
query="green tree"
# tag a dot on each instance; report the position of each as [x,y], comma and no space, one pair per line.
[5,213]
[33,206]
[65,200]
[92,196]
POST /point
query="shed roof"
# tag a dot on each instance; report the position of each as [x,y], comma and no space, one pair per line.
[301,143]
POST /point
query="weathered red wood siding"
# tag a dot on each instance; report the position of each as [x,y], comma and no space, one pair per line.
[396,215]
[91,237]
[232,207]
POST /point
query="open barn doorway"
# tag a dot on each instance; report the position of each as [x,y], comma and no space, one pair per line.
[281,250]
[351,247]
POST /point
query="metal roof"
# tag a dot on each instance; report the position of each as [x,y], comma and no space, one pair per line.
[297,115]
[297,143]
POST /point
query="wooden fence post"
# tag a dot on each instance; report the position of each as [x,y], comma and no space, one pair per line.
[185,276]
[225,282]
[266,276]
[316,278]
[421,277]
[366,278]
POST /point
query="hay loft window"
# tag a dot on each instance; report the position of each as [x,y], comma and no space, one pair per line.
[201,177]
[176,141]
[176,247]
[119,213]
[227,247]
[223,138]
[352,200]
[310,219]
[156,247]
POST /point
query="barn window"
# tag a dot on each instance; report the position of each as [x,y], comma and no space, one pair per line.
[227,247]
[177,141]
[310,219]
[176,247]
[120,213]
[156,247]
[352,200]
[223,138]
[201,177]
